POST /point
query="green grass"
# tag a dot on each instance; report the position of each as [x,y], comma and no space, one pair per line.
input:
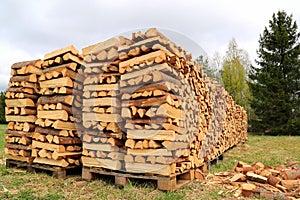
[16,184]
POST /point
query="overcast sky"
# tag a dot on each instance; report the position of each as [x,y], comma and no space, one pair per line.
[31,28]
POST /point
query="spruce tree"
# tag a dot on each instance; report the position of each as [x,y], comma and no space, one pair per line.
[276,79]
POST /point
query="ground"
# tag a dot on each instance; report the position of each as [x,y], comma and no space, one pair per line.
[17,184]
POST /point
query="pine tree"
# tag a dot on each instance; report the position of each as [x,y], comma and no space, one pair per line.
[277,78]
[2,108]
[207,68]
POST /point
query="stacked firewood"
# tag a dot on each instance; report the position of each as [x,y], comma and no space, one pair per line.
[165,104]
[139,105]
[211,145]
[102,136]
[21,98]
[55,140]
[236,123]
[259,180]
[228,125]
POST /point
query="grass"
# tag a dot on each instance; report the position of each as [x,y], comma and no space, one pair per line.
[16,184]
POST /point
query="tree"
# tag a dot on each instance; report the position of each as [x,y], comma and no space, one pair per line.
[277,78]
[210,66]
[2,108]
[234,75]
[207,68]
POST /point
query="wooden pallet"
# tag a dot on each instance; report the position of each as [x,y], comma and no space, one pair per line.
[165,183]
[18,164]
[57,172]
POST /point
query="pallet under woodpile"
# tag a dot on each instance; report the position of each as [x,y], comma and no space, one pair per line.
[129,108]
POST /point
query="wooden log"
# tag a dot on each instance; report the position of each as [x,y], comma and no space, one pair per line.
[290,184]
[59,82]
[19,103]
[18,118]
[101,117]
[17,146]
[56,99]
[60,52]
[53,114]
[27,111]
[102,163]
[47,146]
[97,48]
[60,163]
[21,90]
[59,156]
[169,111]
[149,152]
[18,65]
[148,101]
[28,78]
[51,131]
[101,87]
[66,140]
[106,101]
[164,170]
[18,133]
[151,134]
[58,124]
[100,147]
[71,58]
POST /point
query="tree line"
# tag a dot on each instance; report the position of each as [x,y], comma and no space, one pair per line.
[269,90]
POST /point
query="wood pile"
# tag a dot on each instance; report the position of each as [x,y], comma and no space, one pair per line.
[21,98]
[259,180]
[138,105]
[165,102]
[55,139]
[228,125]
[102,136]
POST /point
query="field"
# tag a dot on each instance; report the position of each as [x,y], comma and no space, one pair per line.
[17,184]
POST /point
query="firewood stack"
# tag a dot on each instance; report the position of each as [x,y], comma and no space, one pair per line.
[165,106]
[228,125]
[161,103]
[236,123]
[102,136]
[211,146]
[21,98]
[139,105]
[55,140]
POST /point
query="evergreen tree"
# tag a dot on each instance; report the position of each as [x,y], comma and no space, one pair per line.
[207,68]
[277,78]
[2,108]
[234,75]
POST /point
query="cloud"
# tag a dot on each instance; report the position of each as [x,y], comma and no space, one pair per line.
[29,28]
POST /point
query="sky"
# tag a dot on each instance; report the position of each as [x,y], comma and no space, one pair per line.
[31,28]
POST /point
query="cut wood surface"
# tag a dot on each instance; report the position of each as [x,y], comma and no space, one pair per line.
[25,63]
[151,134]
[103,163]
[66,99]
[61,51]
[59,82]
[19,103]
[261,180]
[53,114]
